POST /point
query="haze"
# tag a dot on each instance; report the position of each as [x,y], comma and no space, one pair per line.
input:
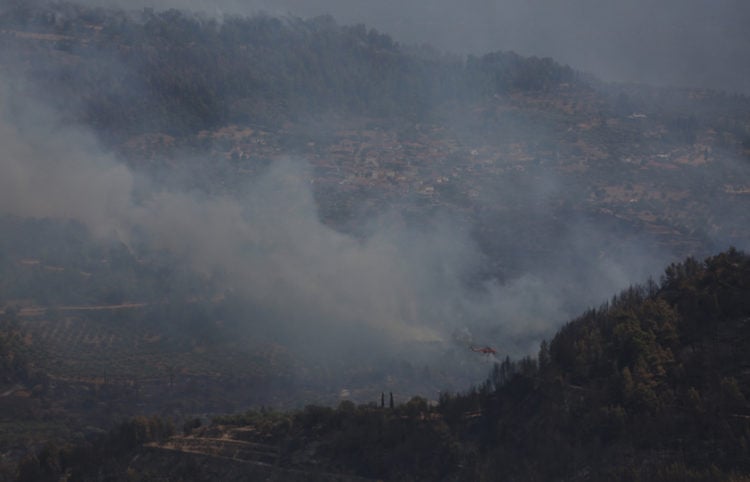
[315,288]
[325,288]
[695,43]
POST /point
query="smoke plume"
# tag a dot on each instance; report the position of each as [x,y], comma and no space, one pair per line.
[308,283]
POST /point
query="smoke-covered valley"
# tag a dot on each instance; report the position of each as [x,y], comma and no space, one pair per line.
[390,210]
[392,288]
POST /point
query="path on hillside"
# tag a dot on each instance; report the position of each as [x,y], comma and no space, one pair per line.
[236,445]
[11,390]
[40,310]
[36,311]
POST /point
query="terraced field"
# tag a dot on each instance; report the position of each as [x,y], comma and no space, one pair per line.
[124,344]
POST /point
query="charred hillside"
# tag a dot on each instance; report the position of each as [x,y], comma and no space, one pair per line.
[653,385]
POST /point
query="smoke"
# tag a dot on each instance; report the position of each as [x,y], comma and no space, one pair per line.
[47,169]
[322,292]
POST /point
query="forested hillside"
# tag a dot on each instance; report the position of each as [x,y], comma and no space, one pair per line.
[653,385]
[180,73]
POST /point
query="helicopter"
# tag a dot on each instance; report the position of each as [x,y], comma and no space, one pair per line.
[486,350]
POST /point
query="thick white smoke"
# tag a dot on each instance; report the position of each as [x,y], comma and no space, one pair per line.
[322,287]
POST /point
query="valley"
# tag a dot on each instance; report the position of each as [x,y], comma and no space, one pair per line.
[265,225]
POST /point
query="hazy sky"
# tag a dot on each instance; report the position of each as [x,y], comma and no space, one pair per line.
[676,42]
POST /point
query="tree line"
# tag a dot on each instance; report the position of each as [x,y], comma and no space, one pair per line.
[179,72]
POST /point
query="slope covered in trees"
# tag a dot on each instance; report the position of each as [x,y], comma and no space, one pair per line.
[653,385]
[179,73]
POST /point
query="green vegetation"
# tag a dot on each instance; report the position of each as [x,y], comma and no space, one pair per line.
[74,462]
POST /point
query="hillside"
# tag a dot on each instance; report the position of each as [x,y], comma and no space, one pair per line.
[653,385]
[489,139]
